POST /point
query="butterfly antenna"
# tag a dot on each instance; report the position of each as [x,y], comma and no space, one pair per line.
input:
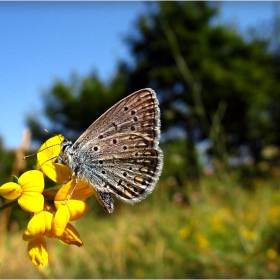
[45,130]
[25,157]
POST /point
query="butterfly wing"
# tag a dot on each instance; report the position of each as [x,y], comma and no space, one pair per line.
[120,149]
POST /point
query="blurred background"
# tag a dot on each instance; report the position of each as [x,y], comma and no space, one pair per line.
[215,212]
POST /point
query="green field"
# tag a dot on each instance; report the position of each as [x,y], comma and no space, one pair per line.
[220,230]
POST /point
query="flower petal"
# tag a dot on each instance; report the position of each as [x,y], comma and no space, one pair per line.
[71,236]
[32,181]
[77,209]
[37,251]
[57,172]
[46,157]
[10,190]
[39,225]
[31,202]
[82,191]
[61,219]
[64,193]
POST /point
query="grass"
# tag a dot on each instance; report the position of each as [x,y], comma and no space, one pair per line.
[220,231]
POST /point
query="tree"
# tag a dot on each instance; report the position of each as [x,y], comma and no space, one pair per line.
[203,74]
[71,108]
[211,83]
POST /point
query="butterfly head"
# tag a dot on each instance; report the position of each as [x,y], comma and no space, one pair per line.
[64,146]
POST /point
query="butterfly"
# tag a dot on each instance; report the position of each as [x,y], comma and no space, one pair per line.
[119,153]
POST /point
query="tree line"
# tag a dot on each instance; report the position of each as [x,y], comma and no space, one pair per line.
[212,83]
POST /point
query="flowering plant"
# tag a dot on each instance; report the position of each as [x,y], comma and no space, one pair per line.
[47,220]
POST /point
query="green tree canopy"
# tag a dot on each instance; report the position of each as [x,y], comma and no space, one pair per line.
[71,108]
[210,81]
[224,71]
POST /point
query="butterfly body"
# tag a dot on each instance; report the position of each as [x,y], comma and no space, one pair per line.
[119,153]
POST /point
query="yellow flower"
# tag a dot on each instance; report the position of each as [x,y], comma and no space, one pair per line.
[10,190]
[71,236]
[201,240]
[46,158]
[28,191]
[42,225]
[221,218]
[70,208]
[247,234]
[184,232]
[37,251]
[39,225]
[272,254]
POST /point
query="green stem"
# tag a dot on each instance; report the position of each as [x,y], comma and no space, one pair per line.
[8,204]
[51,192]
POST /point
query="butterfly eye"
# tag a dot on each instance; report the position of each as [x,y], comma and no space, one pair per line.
[65,144]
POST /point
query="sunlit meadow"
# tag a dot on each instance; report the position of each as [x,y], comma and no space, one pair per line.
[217,229]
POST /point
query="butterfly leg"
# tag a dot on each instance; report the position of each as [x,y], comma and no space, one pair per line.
[76,184]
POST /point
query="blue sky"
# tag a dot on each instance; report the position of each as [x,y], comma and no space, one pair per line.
[44,41]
